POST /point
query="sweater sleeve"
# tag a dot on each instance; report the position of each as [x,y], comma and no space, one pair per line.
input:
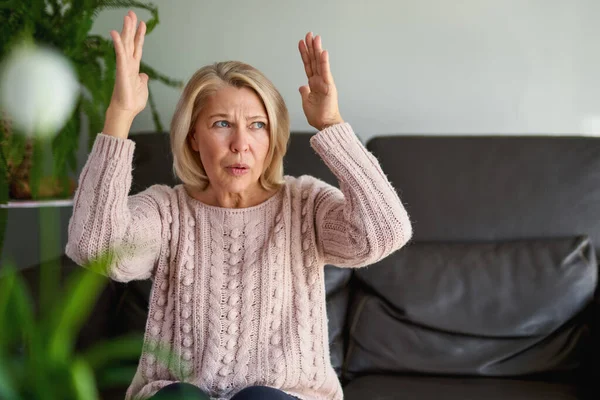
[365,221]
[108,222]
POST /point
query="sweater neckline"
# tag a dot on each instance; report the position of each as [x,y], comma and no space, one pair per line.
[273,199]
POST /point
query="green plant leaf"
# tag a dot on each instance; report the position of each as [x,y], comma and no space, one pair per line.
[15,303]
[49,281]
[155,116]
[4,188]
[116,376]
[90,76]
[19,337]
[64,148]
[93,102]
[7,389]
[121,348]
[157,76]
[95,119]
[16,151]
[7,278]
[169,358]
[150,24]
[5,142]
[70,312]
[83,380]
[110,71]
[37,166]
[12,145]
[84,24]
[54,6]
[9,5]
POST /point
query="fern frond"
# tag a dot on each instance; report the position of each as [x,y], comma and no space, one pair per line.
[150,24]
[157,76]
[155,116]
[95,117]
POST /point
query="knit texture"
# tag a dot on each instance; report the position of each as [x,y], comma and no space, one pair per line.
[238,295]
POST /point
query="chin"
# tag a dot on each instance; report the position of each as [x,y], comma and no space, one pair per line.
[240,186]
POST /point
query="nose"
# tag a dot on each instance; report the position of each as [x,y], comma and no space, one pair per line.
[240,141]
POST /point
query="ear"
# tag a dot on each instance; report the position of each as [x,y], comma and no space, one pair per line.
[192,140]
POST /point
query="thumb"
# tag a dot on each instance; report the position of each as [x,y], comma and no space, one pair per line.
[144,78]
[304,91]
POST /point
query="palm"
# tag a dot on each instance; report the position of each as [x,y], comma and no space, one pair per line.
[319,97]
[131,88]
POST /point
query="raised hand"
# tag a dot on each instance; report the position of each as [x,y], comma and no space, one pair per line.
[319,97]
[130,93]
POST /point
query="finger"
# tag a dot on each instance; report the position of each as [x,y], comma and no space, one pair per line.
[132,31]
[304,91]
[311,52]
[305,58]
[125,33]
[129,32]
[144,77]
[325,67]
[119,50]
[139,41]
[318,52]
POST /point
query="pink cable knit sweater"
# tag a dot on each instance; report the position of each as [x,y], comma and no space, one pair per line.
[238,294]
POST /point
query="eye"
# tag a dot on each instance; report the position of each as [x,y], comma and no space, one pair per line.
[221,124]
[259,125]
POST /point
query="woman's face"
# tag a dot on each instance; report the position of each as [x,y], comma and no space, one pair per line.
[231,135]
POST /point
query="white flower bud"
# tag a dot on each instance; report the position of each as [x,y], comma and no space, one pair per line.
[38,90]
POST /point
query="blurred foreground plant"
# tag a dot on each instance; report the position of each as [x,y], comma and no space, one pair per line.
[38,335]
[38,358]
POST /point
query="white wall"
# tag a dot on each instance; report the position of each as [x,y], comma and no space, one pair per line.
[401,66]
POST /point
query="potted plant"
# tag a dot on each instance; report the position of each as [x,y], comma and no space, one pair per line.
[65,26]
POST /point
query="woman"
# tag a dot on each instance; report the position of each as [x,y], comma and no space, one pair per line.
[236,253]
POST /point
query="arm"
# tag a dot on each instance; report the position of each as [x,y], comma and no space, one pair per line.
[106,221]
[104,218]
[366,221]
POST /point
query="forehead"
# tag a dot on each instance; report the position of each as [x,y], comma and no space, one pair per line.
[229,99]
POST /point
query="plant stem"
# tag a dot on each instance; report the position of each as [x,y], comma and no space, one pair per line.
[50,272]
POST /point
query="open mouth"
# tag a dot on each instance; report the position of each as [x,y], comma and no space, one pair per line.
[238,169]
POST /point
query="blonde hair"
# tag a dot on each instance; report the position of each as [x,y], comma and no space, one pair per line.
[206,81]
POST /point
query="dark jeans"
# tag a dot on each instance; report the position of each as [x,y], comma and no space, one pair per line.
[187,391]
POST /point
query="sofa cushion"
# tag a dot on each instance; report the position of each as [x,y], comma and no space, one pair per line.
[434,388]
[492,309]
[336,287]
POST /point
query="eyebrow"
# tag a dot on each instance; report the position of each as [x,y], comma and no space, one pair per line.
[219,115]
[227,116]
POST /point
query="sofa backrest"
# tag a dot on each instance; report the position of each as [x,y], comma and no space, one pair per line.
[152,161]
[500,276]
[495,187]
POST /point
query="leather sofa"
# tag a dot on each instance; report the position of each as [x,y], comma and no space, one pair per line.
[495,297]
